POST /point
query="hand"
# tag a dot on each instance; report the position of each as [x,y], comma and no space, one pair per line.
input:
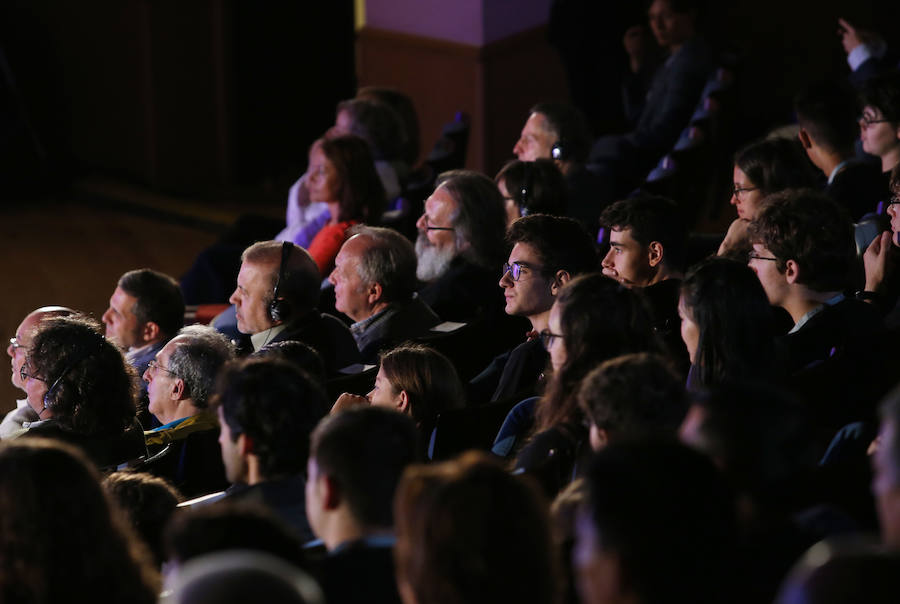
[736,237]
[348,401]
[875,261]
[850,38]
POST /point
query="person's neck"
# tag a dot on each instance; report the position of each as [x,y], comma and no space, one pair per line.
[185,408]
[371,312]
[334,208]
[890,159]
[341,527]
[540,321]
[827,162]
[805,300]
[663,273]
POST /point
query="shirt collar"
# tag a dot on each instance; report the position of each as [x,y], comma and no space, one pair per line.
[264,337]
[805,318]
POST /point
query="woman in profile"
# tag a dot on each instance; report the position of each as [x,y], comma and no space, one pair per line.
[60,539]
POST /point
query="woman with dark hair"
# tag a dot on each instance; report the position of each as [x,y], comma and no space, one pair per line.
[468,531]
[760,169]
[531,187]
[60,539]
[726,324]
[83,391]
[341,174]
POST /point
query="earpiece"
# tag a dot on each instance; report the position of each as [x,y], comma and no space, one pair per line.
[559,151]
[279,308]
[527,181]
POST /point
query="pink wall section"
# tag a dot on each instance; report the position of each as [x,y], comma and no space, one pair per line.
[473,22]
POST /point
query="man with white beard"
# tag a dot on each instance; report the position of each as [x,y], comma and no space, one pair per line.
[460,247]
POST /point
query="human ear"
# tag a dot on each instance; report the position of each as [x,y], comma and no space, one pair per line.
[655,253]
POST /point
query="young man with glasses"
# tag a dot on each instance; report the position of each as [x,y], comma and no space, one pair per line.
[547,252]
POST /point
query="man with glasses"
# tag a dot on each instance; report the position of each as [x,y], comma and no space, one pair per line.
[547,252]
[18,350]
[179,383]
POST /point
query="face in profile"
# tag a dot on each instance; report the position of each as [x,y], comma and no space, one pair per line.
[251,297]
[878,137]
[690,331]
[121,323]
[436,243]
[536,139]
[746,196]
[321,177]
[351,295]
[627,261]
[670,28]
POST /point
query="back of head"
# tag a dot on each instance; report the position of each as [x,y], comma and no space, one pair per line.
[365,451]
[293,351]
[651,218]
[480,219]
[776,164]
[276,406]
[729,305]
[158,299]
[883,93]
[148,502]
[200,354]
[667,517]
[389,260]
[90,386]
[571,128]
[562,243]
[814,231]
[377,124]
[827,110]
[468,531]
[297,278]
[405,110]
[428,378]
[536,187]
[633,397]
[361,195]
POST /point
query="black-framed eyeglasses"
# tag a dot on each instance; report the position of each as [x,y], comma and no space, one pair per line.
[756,256]
[867,121]
[14,342]
[891,202]
[548,338]
[154,365]
[739,191]
[515,269]
[428,226]
[25,373]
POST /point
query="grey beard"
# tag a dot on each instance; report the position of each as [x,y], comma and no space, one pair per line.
[433,261]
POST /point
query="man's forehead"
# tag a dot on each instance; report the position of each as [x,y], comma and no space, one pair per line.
[439,200]
[621,235]
[122,300]
[255,271]
[523,252]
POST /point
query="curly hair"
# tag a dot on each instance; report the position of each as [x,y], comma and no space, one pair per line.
[91,388]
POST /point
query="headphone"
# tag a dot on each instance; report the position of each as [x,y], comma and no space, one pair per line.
[560,151]
[527,181]
[279,308]
[49,400]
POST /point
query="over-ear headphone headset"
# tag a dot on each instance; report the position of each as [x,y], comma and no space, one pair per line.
[279,308]
[527,180]
[49,399]
[560,151]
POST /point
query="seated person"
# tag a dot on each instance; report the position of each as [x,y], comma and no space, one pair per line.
[275,300]
[267,409]
[647,239]
[531,187]
[356,459]
[374,284]
[179,384]
[82,390]
[879,124]
[886,471]
[546,253]
[631,397]
[868,54]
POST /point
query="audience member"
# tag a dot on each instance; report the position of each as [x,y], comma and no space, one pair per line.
[297,353]
[355,462]
[374,282]
[647,239]
[83,391]
[18,348]
[546,253]
[879,124]
[531,187]
[886,471]
[179,385]
[867,52]
[276,296]
[267,409]
[467,531]
[631,397]
[406,111]
[60,539]
[880,259]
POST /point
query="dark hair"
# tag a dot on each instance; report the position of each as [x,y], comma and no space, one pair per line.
[276,406]
[827,110]
[157,298]
[569,125]
[633,396]
[813,230]
[468,531]
[429,379]
[300,282]
[302,355]
[361,194]
[729,305]
[561,243]
[776,164]
[883,93]
[364,451]
[389,260]
[91,388]
[480,219]
[599,320]
[405,110]
[651,218]
[60,539]
[378,124]
[200,353]
[148,502]
[667,516]
[536,187]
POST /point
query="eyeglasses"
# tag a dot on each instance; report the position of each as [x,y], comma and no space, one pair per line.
[154,365]
[739,191]
[428,227]
[548,338]
[515,270]
[755,256]
[865,121]
[25,374]
[14,342]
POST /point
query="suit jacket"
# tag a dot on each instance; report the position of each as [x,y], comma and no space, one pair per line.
[393,326]
[327,335]
[105,450]
[464,292]
[194,462]
[285,497]
[859,187]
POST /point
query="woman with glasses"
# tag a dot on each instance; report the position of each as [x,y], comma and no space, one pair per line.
[83,391]
[879,124]
[760,169]
[593,319]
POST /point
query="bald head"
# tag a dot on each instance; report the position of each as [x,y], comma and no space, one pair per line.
[18,348]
